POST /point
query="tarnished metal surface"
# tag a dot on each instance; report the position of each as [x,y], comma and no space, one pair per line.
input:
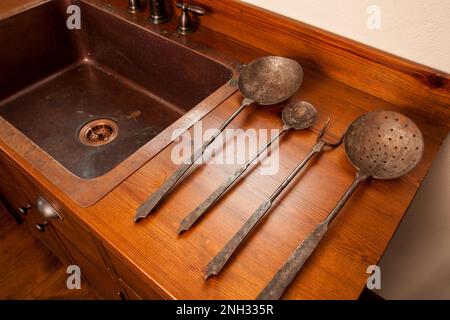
[268,80]
[139,80]
[186,25]
[287,273]
[384,144]
[158,12]
[298,115]
[380,144]
[224,255]
[136,6]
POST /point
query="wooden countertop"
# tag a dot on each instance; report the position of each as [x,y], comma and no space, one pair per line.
[356,239]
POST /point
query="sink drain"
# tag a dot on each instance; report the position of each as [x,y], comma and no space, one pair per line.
[98,132]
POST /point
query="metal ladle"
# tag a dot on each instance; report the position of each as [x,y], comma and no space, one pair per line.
[223,256]
[266,81]
[298,115]
[379,144]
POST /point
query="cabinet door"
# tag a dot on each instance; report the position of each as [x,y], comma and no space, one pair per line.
[66,238]
[101,280]
[131,294]
[12,186]
[21,193]
[137,287]
[78,235]
[46,233]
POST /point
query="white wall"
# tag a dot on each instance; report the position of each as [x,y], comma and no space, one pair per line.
[418,30]
[416,264]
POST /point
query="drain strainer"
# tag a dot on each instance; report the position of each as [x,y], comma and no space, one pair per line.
[98,132]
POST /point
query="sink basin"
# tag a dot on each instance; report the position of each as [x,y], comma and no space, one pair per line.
[88,107]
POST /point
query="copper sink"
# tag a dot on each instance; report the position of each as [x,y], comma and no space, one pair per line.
[88,107]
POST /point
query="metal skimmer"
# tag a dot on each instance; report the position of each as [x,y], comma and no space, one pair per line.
[379,144]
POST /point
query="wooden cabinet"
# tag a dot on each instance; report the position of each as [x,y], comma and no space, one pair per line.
[100,279]
[66,238]
[130,293]
[136,287]
[14,186]
[21,196]
[79,236]
[69,240]
[47,235]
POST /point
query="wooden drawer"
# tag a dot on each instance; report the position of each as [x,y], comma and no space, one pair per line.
[48,236]
[138,286]
[98,277]
[19,191]
[77,234]
[16,188]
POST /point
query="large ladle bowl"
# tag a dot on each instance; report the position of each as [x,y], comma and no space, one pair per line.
[270,80]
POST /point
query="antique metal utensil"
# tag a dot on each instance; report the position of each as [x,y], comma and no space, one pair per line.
[298,115]
[379,144]
[223,256]
[266,81]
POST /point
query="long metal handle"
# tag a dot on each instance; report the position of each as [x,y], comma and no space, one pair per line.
[223,256]
[279,283]
[191,218]
[317,148]
[283,278]
[145,209]
[360,177]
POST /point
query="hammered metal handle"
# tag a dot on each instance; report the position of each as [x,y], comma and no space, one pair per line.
[190,219]
[276,287]
[145,209]
[162,191]
[282,279]
[223,256]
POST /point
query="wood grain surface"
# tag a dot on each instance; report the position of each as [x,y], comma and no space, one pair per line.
[342,79]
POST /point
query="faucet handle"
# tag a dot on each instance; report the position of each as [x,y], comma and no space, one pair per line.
[185,8]
[185,24]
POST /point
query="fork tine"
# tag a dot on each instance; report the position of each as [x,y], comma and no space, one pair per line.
[324,128]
